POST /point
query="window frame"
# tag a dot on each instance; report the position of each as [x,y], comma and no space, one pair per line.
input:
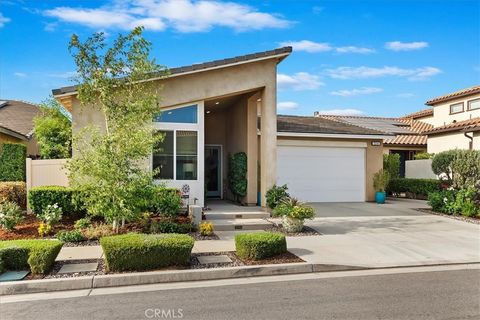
[469,103]
[196,105]
[455,104]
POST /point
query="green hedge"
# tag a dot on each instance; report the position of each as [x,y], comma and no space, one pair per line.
[137,252]
[40,197]
[257,246]
[12,162]
[14,191]
[38,255]
[414,187]
[170,227]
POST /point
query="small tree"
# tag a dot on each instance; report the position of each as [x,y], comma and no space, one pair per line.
[108,163]
[442,164]
[237,175]
[381,180]
[466,168]
[53,131]
[391,164]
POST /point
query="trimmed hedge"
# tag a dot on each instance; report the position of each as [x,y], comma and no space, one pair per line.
[38,255]
[14,191]
[137,252]
[170,227]
[13,162]
[257,246]
[166,201]
[40,197]
[414,187]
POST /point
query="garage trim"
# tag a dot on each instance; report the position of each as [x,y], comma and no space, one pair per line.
[319,143]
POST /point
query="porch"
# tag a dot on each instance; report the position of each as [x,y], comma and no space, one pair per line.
[227,216]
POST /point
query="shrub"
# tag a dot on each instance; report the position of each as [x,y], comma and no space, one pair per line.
[275,195]
[414,187]
[442,164]
[97,231]
[465,203]
[137,252]
[440,199]
[14,191]
[423,156]
[466,169]
[39,255]
[257,246]
[44,229]
[206,228]
[391,164]
[40,197]
[70,236]
[51,214]
[83,223]
[166,201]
[10,215]
[12,162]
[380,180]
[165,226]
[237,175]
[291,207]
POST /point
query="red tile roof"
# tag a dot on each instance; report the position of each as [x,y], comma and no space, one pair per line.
[453,95]
[465,126]
[419,114]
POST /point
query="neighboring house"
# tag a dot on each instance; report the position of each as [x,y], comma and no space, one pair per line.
[16,124]
[456,121]
[214,109]
[406,138]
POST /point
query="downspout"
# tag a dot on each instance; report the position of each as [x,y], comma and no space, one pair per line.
[470,144]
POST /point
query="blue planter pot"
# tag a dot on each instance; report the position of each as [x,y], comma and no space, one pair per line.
[380,197]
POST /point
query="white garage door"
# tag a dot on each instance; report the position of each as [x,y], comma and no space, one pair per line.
[322,174]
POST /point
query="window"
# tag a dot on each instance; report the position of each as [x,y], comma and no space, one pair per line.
[180,115]
[473,104]
[179,157]
[456,108]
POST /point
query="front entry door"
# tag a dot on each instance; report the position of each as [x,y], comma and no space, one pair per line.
[213,171]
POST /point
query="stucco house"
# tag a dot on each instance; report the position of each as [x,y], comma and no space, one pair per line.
[16,124]
[217,108]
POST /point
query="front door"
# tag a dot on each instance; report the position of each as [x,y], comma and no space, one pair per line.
[213,171]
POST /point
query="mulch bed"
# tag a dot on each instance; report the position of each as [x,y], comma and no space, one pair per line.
[455,217]
[28,229]
[306,231]
[197,236]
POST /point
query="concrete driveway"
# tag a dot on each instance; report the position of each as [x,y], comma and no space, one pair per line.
[393,234]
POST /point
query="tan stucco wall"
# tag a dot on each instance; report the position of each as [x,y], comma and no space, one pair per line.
[32,145]
[451,140]
[441,111]
[427,119]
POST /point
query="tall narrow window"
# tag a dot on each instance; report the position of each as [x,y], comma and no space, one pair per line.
[186,155]
[163,156]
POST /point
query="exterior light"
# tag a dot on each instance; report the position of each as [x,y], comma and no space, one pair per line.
[208,111]
[217,102]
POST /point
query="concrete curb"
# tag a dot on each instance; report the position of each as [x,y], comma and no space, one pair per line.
[139,278]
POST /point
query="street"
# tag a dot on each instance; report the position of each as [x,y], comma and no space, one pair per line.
[430,293]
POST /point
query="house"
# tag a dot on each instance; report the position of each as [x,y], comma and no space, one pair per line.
[16,124]
[406,134]
[456,121]
[217,108]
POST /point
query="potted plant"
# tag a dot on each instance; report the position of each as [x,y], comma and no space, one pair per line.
[293,213]
[380,182]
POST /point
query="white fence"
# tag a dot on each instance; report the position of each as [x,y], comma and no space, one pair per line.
[419,169]
[46,173]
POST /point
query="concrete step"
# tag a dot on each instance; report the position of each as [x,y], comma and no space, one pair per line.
[240,224]
[236,215]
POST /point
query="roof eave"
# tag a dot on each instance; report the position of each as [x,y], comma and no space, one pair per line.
[333,135]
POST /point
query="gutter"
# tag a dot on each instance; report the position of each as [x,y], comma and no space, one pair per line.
[470,143]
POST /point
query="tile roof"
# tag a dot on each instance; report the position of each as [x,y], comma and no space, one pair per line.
[204,66]
[419,114]
[464,126]
[453,95]
[302,124]
[17,116]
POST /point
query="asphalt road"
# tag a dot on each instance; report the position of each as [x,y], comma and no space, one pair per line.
[423,295]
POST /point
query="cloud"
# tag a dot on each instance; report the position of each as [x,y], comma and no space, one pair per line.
[3,20]
[180,15]
[356,92]
[353,49]
[20,74]
[363,72]
[341,112]
[405,95]
[405,46]
[287,105]
[317,9]
[307,46]
[298,81]
[63,75]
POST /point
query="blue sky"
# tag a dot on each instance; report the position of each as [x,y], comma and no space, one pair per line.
[382,58]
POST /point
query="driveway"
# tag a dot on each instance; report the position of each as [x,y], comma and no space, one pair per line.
[393,234]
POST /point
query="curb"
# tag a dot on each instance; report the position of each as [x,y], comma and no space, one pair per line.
[152,277]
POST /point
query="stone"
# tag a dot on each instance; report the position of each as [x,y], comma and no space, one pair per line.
[214,259]
[80,253]
[13,275]
[79,267]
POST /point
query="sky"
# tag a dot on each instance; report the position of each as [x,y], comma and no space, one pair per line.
[375,58]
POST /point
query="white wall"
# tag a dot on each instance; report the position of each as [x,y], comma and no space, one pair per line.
[442,116]
[419,169]
[451,140]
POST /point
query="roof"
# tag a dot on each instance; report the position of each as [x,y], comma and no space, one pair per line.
[457,94]
[302,124]
[16,117]
[204,66]
[420,114]
[464,126]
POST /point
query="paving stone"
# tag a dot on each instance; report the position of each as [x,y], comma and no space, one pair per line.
[80,253]
[78,267]
[214,259]
[13,275]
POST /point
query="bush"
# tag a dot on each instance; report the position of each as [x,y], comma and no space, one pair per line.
[466,169]
[166,201]
[137,252]
[440,199]
[237,174]
[39,255]
[70,236]
[257,246]
[206,228]
[291,207]
[14,191]
[380,180]
[414,187]
[44,229]
[40,197]
[83,223]
[165,226]
[12,162]
[10,215]
[423,156]
[442,164]
[465,203]
[391,164]
[97,232]
[275,195]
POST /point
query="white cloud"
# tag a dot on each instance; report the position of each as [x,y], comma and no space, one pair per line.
[405,46]
[20,74]
[3,20]
[369,72]
[307,46]
[287,105]
[341,112]
[405,95]
[298,81]
[356,92]
[50,27]
[180,15]
[317,9]
[353,49]
[63,75]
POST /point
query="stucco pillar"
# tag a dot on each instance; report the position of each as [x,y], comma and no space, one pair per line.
[268,139]
[252,149]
